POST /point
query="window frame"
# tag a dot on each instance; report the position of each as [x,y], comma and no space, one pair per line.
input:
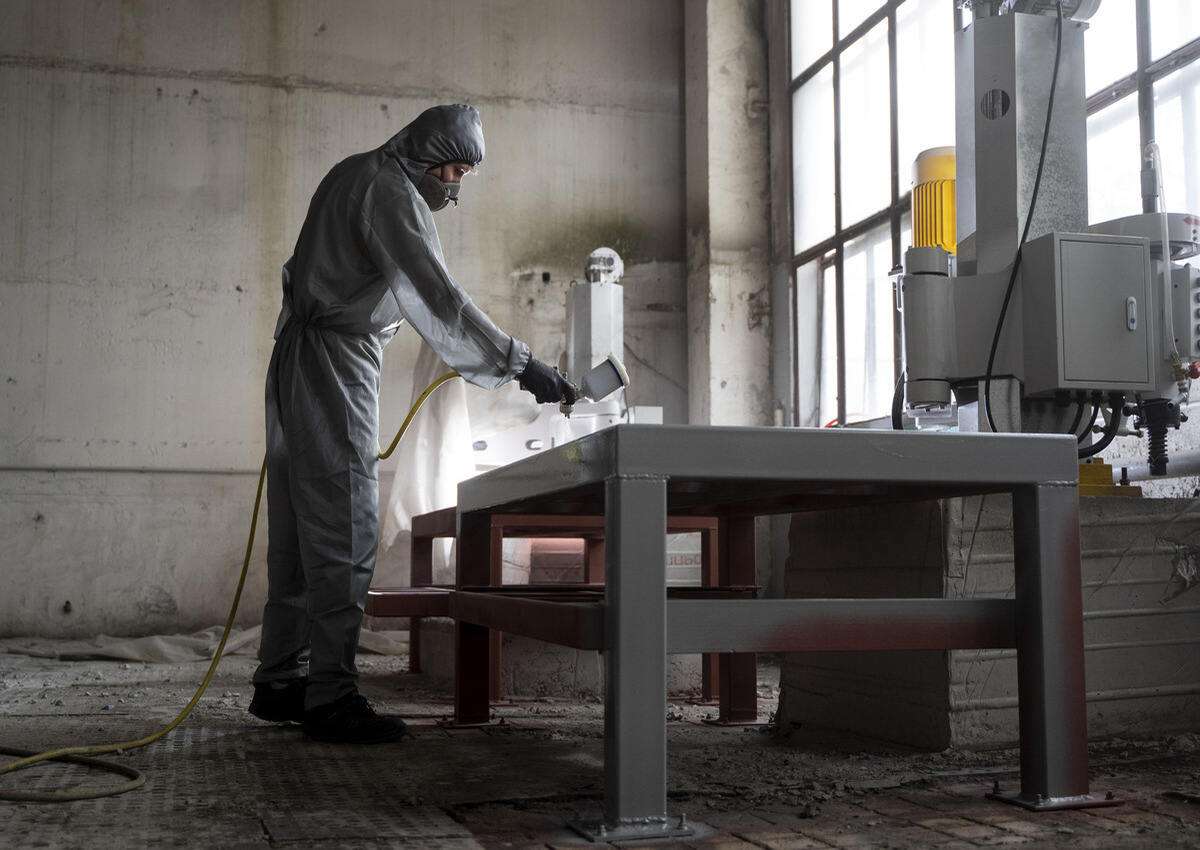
[831,251]
[1141,81]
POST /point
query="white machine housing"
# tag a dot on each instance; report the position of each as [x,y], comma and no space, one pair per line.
[595,333]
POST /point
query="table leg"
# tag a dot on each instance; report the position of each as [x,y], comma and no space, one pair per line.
[738,670]
[472,664]
[1050,673]
[421,575]
[635,669]
[496,641]
[593,560]
[710,576]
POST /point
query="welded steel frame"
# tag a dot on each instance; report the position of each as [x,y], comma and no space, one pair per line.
[641,473]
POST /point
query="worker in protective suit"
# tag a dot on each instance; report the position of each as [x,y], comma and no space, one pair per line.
[368,258]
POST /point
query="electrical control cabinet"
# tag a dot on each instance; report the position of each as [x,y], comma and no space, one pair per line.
[1186,289]
[1091,314]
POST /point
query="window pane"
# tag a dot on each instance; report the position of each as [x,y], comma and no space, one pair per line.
[829,319]
[1114,162]
[812,159]
[1110,45]
[869,326]
[1173,23]
[851,13]
[866,139]
[925,79]
[809,294]
[1177,124]
[812,32]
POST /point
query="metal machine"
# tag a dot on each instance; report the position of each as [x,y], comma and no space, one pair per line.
[595,341]
[1048,322]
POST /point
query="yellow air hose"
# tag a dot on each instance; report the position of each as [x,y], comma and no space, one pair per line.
[79,755]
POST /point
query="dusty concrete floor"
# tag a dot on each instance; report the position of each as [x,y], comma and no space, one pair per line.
[227,780]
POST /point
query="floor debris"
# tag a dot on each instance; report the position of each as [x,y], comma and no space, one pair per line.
[227,780]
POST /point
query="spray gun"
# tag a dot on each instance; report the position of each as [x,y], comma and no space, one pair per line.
[601,381]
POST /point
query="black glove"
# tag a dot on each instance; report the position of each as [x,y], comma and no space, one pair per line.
[546,384]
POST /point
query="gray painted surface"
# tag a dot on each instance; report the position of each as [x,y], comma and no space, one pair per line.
[531,667]
[1142,668]
[819,462]
[159,161]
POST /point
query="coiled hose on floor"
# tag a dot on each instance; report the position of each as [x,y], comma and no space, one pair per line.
[81,754]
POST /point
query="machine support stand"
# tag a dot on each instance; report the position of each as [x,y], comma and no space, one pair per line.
[1050,672]
[635,686]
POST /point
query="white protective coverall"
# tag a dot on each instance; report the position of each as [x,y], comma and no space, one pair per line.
[368,258]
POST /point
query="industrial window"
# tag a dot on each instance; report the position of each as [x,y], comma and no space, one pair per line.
[1143,84]
[872,86]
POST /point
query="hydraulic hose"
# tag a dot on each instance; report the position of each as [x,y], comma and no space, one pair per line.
[898,403]
[1079,405]
[80,754]
[1112,426]
[1082,435]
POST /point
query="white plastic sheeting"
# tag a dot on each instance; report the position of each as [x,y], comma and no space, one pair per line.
[437,453]
[432,458]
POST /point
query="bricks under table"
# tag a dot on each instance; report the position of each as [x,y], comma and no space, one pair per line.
[727,561]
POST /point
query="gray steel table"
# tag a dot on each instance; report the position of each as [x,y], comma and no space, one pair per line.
[636,475]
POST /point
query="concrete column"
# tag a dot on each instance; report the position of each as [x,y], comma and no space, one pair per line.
[728,204]
[783,342]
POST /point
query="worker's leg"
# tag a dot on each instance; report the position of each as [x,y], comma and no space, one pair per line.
[330,393]
[284,649]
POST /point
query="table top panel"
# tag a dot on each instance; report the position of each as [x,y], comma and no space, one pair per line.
[768,470]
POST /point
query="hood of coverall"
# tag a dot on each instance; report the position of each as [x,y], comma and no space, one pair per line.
[438,135]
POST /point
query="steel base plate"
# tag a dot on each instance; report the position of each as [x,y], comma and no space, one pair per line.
[633,829]
[451,723]
[717,721]
[1052,804]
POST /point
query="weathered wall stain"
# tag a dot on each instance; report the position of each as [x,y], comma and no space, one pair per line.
[162,158]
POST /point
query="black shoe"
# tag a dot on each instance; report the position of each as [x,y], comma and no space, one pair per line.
[351,720]
[279,704]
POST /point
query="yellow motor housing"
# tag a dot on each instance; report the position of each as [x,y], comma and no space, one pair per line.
[933,212]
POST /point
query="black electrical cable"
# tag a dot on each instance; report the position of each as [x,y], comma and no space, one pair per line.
[1091,424]
[1079,405]
[1037,184]
[1112,426]
[898,404]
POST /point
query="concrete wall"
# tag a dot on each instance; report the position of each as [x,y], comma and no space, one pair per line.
[158,162]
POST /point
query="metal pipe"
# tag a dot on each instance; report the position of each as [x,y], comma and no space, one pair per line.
[1180,466]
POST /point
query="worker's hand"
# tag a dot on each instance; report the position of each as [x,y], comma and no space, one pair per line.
[546,384]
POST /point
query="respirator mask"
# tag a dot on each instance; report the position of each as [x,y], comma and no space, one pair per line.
[436,193]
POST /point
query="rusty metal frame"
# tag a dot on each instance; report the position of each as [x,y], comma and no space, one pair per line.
[554,617]
[740,703]
[408,602]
